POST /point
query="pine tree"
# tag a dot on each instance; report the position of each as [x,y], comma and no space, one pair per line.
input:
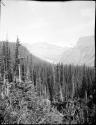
[50,84]
[34,77]
[5,64]
[8,62]
[23,72]
[3,59]
[61,82]
[31,69]
[73,85]
[27,73]
[0,67]
[16,70]
[10,76]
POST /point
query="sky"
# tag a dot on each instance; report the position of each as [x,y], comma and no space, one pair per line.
[59,23]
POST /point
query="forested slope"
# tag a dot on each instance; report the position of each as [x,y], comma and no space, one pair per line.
[23,53]
[44,93]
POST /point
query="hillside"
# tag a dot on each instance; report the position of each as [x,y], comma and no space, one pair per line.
[82,53]
[24,53]
[41,97]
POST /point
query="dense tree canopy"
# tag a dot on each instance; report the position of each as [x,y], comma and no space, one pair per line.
[56,82]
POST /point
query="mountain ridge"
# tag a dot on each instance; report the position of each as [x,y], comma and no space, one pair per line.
[82,53]
[48,52]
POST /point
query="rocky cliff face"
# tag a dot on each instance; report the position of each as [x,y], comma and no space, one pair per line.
[82,53]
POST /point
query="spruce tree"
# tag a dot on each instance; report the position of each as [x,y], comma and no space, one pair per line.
[16,70]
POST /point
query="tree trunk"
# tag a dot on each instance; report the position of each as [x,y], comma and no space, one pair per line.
[19,73]
[86,96]
[4,78]
[73,86]
[61,95]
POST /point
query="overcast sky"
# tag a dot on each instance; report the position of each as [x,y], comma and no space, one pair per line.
[60,23]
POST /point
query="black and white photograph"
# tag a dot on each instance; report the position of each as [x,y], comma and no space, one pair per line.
[47,62]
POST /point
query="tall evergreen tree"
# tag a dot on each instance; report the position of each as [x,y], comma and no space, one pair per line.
[31,69]
[8,62]
[16,70]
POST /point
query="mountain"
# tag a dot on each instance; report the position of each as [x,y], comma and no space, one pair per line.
[82,53]
[24,53]
[48,52]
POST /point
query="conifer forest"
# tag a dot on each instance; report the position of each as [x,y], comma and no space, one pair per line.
[44,93]
[47,62]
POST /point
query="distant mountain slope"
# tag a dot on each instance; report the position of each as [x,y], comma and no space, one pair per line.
[82,53]
[24,53]
[48,52]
